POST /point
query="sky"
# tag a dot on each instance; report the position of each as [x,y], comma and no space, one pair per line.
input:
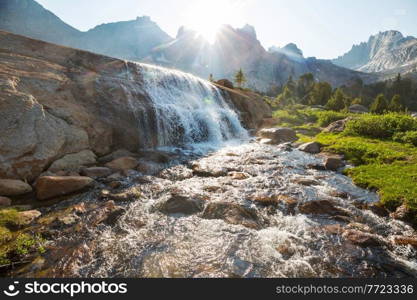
[320,28]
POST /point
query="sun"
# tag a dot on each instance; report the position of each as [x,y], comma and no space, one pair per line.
[206,17]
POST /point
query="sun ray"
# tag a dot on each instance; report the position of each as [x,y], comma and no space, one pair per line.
[207,17]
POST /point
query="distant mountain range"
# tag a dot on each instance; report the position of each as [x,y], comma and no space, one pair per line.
[143,40]
[387,52]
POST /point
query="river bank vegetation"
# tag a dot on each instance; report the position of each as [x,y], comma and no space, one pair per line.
[380,145]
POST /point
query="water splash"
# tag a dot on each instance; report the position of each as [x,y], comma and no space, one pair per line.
[188,111]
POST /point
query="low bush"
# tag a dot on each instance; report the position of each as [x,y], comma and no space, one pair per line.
[409,137]
[325,118]
[381,127]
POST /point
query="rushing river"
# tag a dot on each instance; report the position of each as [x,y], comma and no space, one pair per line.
[266,241]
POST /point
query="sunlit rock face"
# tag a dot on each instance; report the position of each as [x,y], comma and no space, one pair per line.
[386,51]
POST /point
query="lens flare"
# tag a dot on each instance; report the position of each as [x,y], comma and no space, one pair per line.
[206,17]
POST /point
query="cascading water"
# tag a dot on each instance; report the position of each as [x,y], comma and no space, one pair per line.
[189,112]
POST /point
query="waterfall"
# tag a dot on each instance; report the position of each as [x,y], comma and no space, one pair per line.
[188,111]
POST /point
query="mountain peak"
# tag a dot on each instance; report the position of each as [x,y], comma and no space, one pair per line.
[384,51]
[249,30]
[291,50]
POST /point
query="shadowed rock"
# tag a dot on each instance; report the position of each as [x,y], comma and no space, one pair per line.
[124,163]
[184,205]
[233,214]
[53,186]
[9,187]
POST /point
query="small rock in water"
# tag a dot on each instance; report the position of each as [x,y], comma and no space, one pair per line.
[335,229]
[212,188]
[322,207]
[312,148]
[115,184]
[266,142]
[4,201]
[239,175]
[123,163]
[378,209]
[158,157]
[339,194]
[405,241]
[317,167]
[266,199]
[11,187]
[363,239]
[333,164]
[306,181]
[149,167]
[115,176]
[115,155]
[54,186]
[27,217]
[96,172]
[108,214]
[114,216]
[233,214]
[279,135]
[184,205]
[128,196]
[206,171]
[403,213]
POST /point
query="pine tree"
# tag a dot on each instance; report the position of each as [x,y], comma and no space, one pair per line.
[286,97]
[211,78]
[320,94]
[240,78]
[380,105]
[338,101]
[358,101]
[395,104]
[304,86]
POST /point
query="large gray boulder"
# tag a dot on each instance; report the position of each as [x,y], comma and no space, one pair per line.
[358,109]
[279,135]
[312,148]
[73,162]
[10,187]
[338,126]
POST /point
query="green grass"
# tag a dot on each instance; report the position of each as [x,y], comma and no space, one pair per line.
[20,245]
[16,245]
[293,117]
[362,151]
[385,166]
[9,217]
[396,183]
